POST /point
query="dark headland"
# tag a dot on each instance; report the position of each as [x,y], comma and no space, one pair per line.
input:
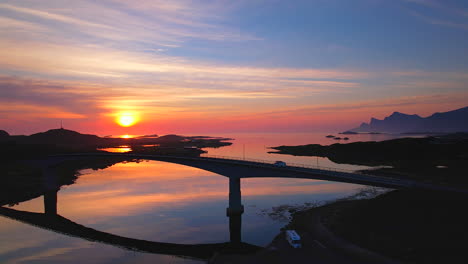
[436,159]
[405,225]
[22,181]
[61,140]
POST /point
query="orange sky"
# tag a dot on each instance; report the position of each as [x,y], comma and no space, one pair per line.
[188,67]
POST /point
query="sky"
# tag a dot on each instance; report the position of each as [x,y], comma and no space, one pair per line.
[206,66]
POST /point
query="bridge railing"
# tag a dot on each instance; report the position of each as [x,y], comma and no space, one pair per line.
[290,164]
[255,162]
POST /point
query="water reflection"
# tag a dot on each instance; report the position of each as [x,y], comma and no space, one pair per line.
[119,149]
[51,220]
[158,201]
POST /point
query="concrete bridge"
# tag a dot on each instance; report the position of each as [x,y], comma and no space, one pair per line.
[234,169]
[240,168]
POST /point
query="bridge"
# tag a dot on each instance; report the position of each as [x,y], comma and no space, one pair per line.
[234,169]
[237,168]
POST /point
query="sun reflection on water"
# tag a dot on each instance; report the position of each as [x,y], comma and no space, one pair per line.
[119,149]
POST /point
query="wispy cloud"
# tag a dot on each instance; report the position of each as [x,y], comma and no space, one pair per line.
[82,60]
[52,16]
[98,41]
[145,98]
[23,99]
[12,25]
[452,100]
[440,13]
[137,25]
[20,111]
[441,5]
[438,21]
[87,60]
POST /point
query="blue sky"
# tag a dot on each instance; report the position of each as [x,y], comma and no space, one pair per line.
[259,65]
[366,34]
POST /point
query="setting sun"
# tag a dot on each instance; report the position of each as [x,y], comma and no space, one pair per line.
[127,119]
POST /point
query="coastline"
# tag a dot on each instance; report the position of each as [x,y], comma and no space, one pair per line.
[398,226]
[402,225]
[435,160]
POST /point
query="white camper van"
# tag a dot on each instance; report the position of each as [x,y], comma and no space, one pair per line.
[293,238]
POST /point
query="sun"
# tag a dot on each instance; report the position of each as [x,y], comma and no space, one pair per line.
[126,119]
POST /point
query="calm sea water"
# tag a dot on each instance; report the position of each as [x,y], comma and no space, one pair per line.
[166,202]
[257,146]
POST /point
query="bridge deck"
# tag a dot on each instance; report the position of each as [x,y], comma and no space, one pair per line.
[240,168]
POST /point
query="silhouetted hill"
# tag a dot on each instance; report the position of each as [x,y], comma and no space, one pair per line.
[63,137]
[46,143]
[447,122]
[67,141]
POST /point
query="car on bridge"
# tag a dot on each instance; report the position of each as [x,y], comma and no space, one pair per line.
[280,164]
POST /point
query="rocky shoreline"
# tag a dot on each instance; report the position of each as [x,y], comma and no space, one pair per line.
[402,225]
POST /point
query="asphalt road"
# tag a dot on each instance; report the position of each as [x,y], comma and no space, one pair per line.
[279,251]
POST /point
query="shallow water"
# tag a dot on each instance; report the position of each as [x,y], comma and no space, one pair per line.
[165,202]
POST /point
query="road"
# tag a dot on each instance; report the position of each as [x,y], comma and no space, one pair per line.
[280,252]
[320,246]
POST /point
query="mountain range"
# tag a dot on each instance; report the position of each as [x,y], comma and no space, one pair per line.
[447,122]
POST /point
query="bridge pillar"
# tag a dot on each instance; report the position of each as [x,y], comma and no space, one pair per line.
[50,202]
[235,204]
[235,229]
[51,188]
[235,210]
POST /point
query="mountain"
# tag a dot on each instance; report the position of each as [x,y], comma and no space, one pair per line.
[447,122]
